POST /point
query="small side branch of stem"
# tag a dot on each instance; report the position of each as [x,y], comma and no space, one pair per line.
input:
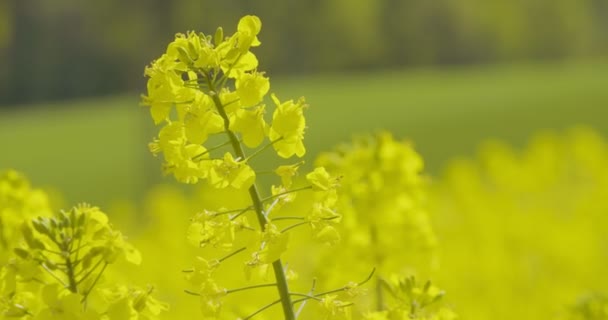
[284,193]
[232,254]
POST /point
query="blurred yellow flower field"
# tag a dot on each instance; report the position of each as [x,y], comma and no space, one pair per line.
[264,226]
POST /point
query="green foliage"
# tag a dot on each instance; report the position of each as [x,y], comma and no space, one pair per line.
[345,35]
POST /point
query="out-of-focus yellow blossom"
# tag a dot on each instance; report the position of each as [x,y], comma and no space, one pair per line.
[524,231]
[382,201]
[210,298]
[321,180]
[335,309]
[408,300]
[55,266]
[208,229]
[18,201]
[62,304]
[132,304]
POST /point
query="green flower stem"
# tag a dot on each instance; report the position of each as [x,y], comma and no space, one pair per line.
[287,218]
[260,150]
[232,254]
[295,226]
[286,192]
[85,276]
[72,283]
[238,211]
[308,297]
[196,157]
[279,272]
[265,285]
[311,292]
[86,294]
[262,309]
[192,293]
[52,274]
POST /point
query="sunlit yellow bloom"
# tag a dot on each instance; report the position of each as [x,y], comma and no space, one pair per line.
[288,125]
[248,29]
[251,88]
[201,120]
[251,125]
[231,172]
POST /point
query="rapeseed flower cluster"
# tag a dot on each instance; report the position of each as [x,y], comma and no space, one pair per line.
[55,262]
[207,95]
[383,199]
[204,86]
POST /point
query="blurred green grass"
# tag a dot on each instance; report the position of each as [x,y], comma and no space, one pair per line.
[96,150]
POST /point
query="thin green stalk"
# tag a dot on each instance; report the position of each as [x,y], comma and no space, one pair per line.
[287,218]
[240,211]
[262,149]
[196,157]
[84,277]
[312,291]
[86,295]
[256,286]
[286,192]
[295,226]
[192,293]
[279,272]
[52,274]
[262,309]
[265,285]
[232,254]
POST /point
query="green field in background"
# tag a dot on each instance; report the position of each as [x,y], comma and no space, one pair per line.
[96,150]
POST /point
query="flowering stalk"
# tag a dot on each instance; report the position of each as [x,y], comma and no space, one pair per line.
[277,265]
[58,262]
[213,85]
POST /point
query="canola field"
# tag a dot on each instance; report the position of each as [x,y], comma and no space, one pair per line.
[466,193]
